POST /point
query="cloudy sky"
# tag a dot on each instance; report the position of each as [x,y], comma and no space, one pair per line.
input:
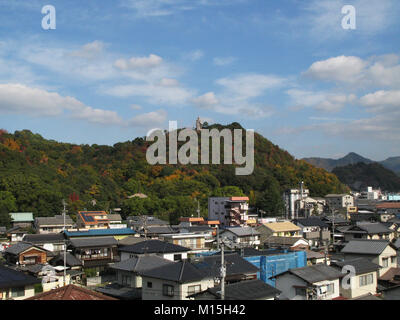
[112,70]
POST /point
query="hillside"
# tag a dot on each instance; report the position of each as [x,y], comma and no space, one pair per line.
[392,163]
[330,164]
[36,174]
[359,176]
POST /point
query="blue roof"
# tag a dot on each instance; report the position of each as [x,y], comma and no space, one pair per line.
[100,232]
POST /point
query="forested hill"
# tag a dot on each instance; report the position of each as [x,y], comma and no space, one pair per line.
[360,176]
[36,174]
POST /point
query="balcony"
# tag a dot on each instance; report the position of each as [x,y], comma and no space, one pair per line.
[311,235]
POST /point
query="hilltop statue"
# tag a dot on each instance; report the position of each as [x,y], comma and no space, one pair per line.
[198,124]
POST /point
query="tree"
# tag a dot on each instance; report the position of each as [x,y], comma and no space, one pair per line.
[7,205]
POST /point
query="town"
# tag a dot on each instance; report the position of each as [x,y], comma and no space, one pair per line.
[233,254]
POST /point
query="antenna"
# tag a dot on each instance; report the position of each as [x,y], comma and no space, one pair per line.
[65,243]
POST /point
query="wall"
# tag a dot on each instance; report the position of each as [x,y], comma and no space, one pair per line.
[356,291]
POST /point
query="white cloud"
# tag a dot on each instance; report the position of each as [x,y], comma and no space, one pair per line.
[166,82]
[224,61]
[90,50]
[20,99]
[322,101]
[139,62]
[206,101]
[136,107]
[150,119]
[194,55]
[382,101]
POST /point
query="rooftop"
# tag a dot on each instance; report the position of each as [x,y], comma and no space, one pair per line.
[361,265]
[70,292]
[242,231]
[311,222]
[57,220]
[373,247]
[21,216]
[140,263]
[44,238]
[94,242]
[316,273]
[284,226]
[100,232]
[10,278]
[153,246]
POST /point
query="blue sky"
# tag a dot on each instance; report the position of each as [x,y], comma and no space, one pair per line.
[111,71]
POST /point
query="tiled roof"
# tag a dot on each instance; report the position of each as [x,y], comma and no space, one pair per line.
[114,217]
[235,265]
[244,290]
[311,222]
[70,292]
[373,247]
[388,205]
[18,248]
[141,263]
[361,265]
[44,238]
[373,228]
[72,261]
[93,242]
[10,278]
[317,273]
[153,246]
[282,226]
[242,231]
[181,272]
[284,241]
[54,221]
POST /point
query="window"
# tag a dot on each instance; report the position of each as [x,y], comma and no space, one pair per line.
[301,292]
[366,280]
[17,292]
[177,257]
[168,290]
[194,289]
[149,284]
[126,280]
[330,288]
[385,262]
[393,259]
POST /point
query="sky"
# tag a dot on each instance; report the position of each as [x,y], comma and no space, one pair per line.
[110,71]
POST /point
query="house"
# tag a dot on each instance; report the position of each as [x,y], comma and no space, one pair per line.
[156,232]
[291,199]
[390,293]
[24,253]
[278,229]
[292,243]
[314,257]
[115,221]
[380,252]
[196,242]
[339,202]
[316,282]
[314,230]
[73,265]
[243,290]
[45,225]
[363,281]
[230,211]
[241,237]
[174,281]
[203,230]
[389,207]
[127,271]
[92,220]
[16,285]
[16,234]
[370,231]
[94,252]
[53,242]
[138,223]
[162,249]
[22,219]
[70,292]
[237,267]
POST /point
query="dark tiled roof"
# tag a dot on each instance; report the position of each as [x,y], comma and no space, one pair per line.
[373,228]
[18,248]
[244,290]
[44,238]
[317,273]
[10,278]
[153,246]
[93,242]
[140,263]
[72,261]
[235,265]
[361,265]
[373,247]
[56,220]
[288,241]
[160,230]
[127,241]
[311,222]
[242,231]
[181,272]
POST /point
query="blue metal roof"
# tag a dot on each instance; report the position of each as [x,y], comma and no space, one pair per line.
[100,232]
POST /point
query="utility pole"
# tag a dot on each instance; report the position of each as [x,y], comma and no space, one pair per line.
[65,245]
[223,272]
[198,209]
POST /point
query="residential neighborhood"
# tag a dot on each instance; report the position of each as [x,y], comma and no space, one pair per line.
[328,255]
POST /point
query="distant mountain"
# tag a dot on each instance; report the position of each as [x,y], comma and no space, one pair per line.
[359,176]
[393,164]
[330,164]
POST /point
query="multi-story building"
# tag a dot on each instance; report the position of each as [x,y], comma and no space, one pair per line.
[46,225]
[92,220]
[292,199]
[339,202]
[230,211]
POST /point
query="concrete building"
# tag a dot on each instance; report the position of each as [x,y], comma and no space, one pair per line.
[339,202]
[230,211]
[292,199]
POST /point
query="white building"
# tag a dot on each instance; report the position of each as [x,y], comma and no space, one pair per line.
[291,198]
[339,201]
